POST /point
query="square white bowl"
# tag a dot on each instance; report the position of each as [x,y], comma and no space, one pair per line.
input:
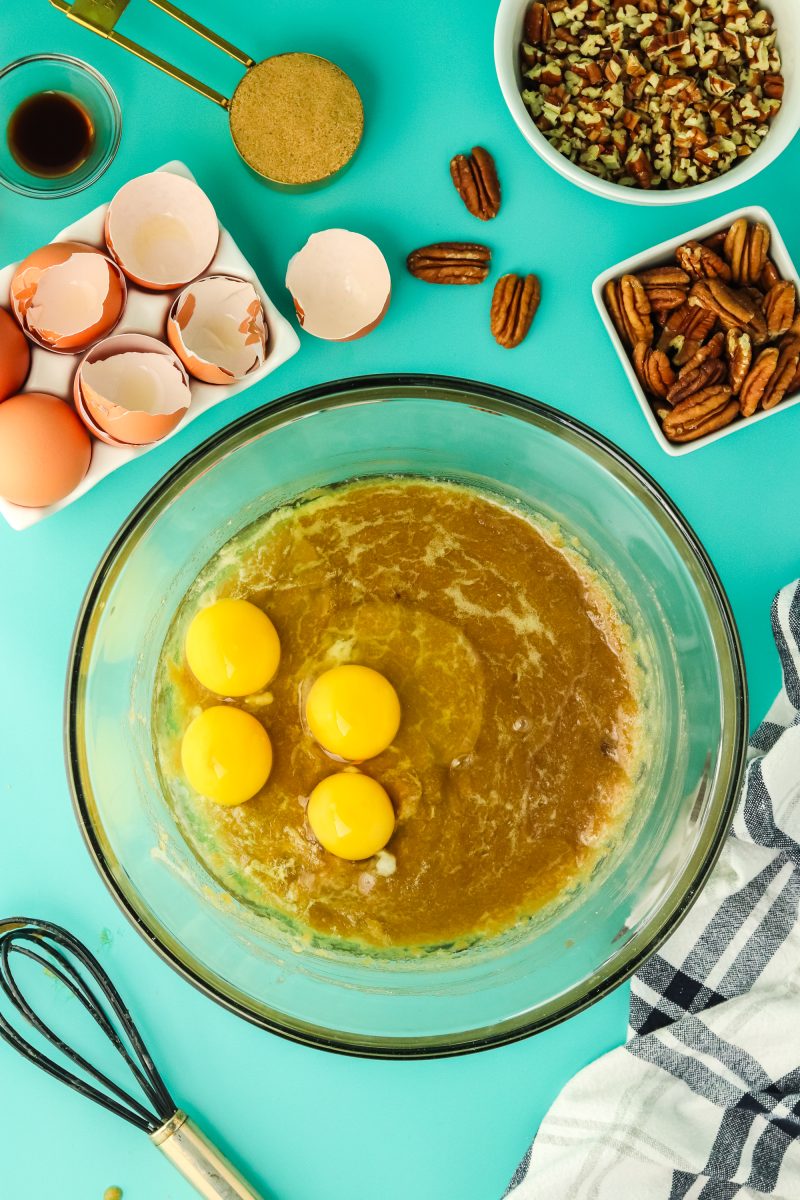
[658,256]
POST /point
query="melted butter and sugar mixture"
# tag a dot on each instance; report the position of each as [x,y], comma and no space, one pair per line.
[514,761]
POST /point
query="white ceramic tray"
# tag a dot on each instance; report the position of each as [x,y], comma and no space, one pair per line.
[664,253]
[146,312]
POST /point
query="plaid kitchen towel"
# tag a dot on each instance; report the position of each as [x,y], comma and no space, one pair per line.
[704,1099]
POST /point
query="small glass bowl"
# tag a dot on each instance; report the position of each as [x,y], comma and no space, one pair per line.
[58,73]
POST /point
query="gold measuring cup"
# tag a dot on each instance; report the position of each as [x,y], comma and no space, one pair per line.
[295,119]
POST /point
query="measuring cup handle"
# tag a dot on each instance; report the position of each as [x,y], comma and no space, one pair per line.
[199,1161]
[102,19]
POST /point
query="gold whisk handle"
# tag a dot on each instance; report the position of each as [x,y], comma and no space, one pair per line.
[199,1161]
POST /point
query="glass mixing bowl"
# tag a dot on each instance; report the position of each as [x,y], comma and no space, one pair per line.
[670,595]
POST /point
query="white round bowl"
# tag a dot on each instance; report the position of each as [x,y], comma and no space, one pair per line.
[507,37]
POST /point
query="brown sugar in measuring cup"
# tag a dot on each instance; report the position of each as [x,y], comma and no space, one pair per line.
[296,119]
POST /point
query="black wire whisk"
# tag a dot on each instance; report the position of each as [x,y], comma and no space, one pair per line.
[61,954]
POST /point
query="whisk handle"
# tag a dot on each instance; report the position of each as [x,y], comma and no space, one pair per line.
[199,1161]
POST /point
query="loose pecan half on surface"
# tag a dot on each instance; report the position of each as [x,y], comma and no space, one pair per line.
[450,262]
[514,304]
[475,178]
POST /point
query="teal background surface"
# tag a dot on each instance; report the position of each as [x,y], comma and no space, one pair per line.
[308,1125]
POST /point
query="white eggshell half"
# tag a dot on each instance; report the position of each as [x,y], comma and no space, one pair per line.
[162,230]
[134,388]
[340,285]
[216,327]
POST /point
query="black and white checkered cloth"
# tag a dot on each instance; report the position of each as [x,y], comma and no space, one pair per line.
[704,1100]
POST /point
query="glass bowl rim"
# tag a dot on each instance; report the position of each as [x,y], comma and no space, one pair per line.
[84,68]
[341,393]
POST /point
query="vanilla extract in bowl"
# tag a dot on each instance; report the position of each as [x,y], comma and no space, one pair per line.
[50,134]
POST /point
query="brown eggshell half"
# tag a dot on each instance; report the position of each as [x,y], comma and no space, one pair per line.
[15,356]
[128,426]
[85,416]
[190,332]
[340,285]
[49,291]
[44,450]
[162,230]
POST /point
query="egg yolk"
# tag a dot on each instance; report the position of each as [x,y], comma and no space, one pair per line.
[226,755]
[232,648]
[353,712]
[351,815]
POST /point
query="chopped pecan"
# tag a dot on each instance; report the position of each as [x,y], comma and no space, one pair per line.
[701,262]
[732,307]
[746,249]
[450,262]
[475,178]
[702,413]
[784,374]
[758,377]
[689,383]
[514,304]
[780,303]
[739,353]
[653,369]
[773,86]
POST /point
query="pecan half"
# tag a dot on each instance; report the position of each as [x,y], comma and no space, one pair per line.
[653,369]
[688,384]
[538,25]
[746,249]
[475,178]
[757,327]
[666,287]
[450,262]
[514,304]
[732,307]
[629,308]
[636,309]
[784,374]
[711,350]
[739,353]
[701,262]
[769,276]
[757,380]
[707,410]
[780,303]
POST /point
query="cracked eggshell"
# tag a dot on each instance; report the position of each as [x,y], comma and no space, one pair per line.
[217,329]
[133,388]
[66,296]
[162,230]
[15,356]
[340,285]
